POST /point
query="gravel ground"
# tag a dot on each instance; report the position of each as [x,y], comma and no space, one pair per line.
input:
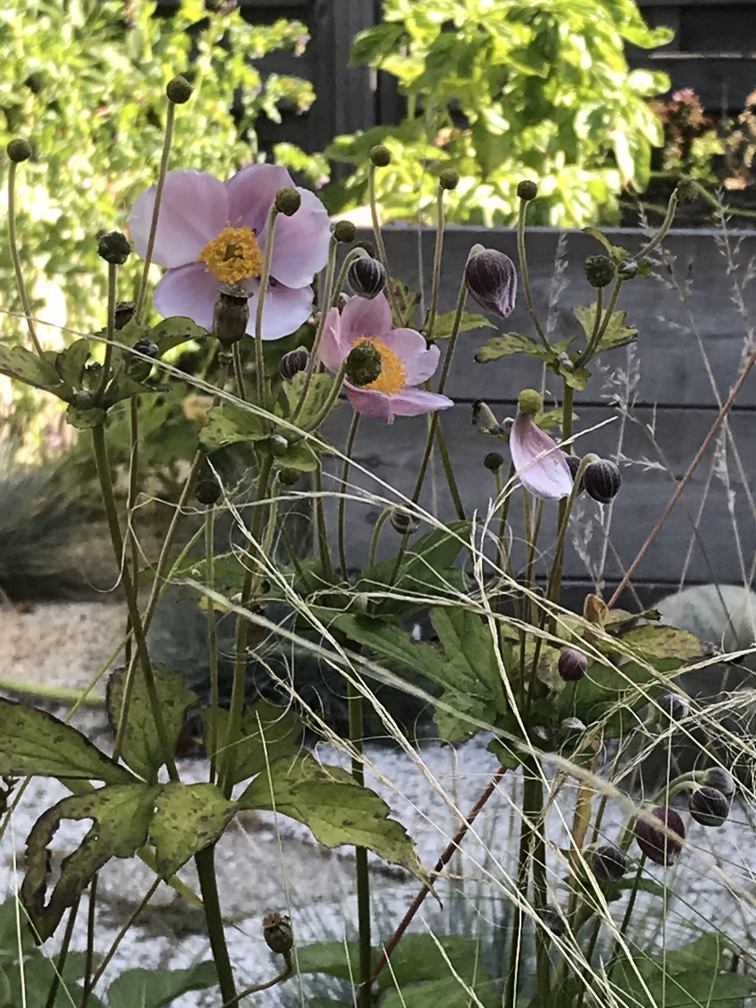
[266,864]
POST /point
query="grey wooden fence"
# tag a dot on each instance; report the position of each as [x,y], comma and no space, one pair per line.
[696,316]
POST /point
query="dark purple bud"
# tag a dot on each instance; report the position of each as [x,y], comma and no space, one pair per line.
[293,362]
[720,779]
[552,918]
[602,480]
[608,863]
[708,806]
[657,831]
[207,491]
[366,277]
[573,464]
[492,280]
[147,347]
[572,664]
[672,706]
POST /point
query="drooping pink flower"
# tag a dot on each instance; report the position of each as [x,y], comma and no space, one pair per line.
[540,463]
[405,360]
[210,232]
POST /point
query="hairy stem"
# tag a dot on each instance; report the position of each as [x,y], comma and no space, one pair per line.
[204,861]
[13,242]
[264,281]
[349,448]
[170,116]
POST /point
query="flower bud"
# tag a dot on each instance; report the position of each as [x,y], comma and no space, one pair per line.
[572,665]
[627,269]
[448,179]
[231,314]
[608,863]
[708,806]
[18,150]
[599,270]
[366,277]
[124,313]
[656,833]
[179,90]
[277,933]
[288,201]
[527,190]
[602,480]
[403,521]
[493,461]
[491,279]
[380,156]
[364,364]
[553,919]
[529,401]
[288,476]
[113,248]
[716,777]
[207,491]
[344,231]
[671,706]
[573,464]
[293,362]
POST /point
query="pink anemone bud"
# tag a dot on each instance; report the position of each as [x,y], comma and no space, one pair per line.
[492,280]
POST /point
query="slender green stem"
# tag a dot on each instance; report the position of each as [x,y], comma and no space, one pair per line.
[626,918]
[109,329]
[204,861]
[376,533]
[453,336]
[515,951]
[540,889]
[60,965]
[264,281]
[356,732]
[380,244]
[352,254]
[211,742]
[239,373]
[526,276]
[13,242]
[333,395]
[349,448]
[256,988]
[106,489]
[320,525]
[437,255]
[313,361]
[665,226]
[449,471]
[131,501]
[124,929]
[89,960]
[601,324]
[167,141]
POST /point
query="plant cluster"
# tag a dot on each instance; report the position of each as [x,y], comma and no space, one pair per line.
[561,697]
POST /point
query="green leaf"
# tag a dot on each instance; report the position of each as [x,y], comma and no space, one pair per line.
[121,815]
[446,992]
[23,365]
[444,324]
[576,378]
[187,818]
[616,334]
[299,456]
[509,343]
[317,394]
[33,742]
[334,807]
[172,332]
[405,300]
[32,986]
[144,988]
[85,419]
[378,41]
[655,641]
[70,363]
[228,424]
[141,746]
[268,733]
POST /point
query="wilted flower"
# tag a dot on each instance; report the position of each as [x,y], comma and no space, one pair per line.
[539,462]
[492,280]
[405,360]
[656,832]
[210,233]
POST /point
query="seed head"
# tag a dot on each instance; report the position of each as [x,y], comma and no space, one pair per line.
[231,314]
[448,179]
[288,201]
[493,461]
[380,156]
[599,270]
[277,933]
[527,190]
[18,150]
[114,248]
[529,401]
[344,231]
[207,491]
[364,364]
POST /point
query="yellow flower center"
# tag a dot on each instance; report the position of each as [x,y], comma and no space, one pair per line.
[233,256]
[393,376]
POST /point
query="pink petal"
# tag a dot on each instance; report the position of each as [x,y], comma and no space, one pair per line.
[361,317]
[300,242]
[540,464]
[413,401]
[369,402]
[333,348]
[284,311]
[187,291]
[420,360]
[193,210]
[251,194]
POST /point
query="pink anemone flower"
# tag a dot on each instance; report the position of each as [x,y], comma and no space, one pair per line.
[406,360]
[210,232]
[540,464]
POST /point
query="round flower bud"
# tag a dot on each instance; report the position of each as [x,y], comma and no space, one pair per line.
[608,863]
[366,277]
[403,521]
[179,90]
[277,444]
[380,156]
[656,833]
[18,150]
[572,665]
[671,706]
[344,231]
[573,464]
[288,201]
[277,933]
[527,190]
[627,269]
[491,279]
[147,347]
[687,191]
[716,777]
[602,480]
[493,461]
[448,179]
[288,476]
[293,362]
[708,806]
[364,364]
[599,270]
[84,400]
[231,314]
[529,401]
[113,248]
[552,918]
[124,313]
[207,491]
